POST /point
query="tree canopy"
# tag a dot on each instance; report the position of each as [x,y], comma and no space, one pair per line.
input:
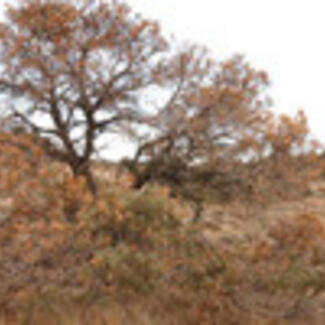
[74,71]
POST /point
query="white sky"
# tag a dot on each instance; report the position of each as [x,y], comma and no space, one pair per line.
[284,37]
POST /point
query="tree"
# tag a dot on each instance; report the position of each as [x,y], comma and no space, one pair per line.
[73,71]
[217,135]
[212,110]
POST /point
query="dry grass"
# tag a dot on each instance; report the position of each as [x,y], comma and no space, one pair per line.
[138,314]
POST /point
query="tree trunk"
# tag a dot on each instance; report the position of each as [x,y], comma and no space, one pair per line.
[91,184]
[84,170]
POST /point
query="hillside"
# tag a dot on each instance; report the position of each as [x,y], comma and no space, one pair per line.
[242,263]
[216,215]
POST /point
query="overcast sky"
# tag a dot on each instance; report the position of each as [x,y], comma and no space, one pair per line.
[286,38]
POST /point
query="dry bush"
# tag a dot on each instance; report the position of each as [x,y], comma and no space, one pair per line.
[60,241]
[62,248]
